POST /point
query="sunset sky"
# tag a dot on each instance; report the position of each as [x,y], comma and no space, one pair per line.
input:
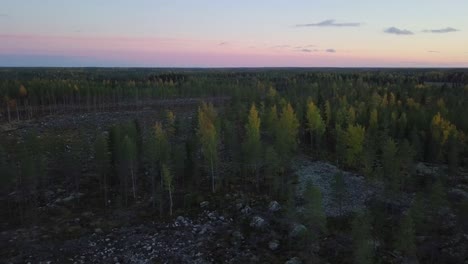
[241,33]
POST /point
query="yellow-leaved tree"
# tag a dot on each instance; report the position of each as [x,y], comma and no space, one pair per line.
[208,136]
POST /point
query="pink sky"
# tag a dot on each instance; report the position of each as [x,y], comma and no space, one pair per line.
[206,53]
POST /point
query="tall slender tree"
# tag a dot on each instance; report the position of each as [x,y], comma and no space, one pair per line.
[208,136]
[252,143]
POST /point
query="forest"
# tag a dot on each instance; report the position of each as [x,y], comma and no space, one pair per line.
[270,165]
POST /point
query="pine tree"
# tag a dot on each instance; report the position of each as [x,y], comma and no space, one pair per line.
[390,165]
[102,163]
[339,190]
[273,170]
[129,155]
[271,120]
[252,144]
[167,176]
[314,211]
[315,125]
[361,233]
[405,240]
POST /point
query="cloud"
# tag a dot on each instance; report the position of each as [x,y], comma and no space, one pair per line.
[397,31]
[433,51]
[330,50]
[223,43]
[330,23]
[3,15]
[281,46]
[441,30]
[306,50]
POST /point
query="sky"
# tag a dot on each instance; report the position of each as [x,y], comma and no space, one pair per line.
[241,33]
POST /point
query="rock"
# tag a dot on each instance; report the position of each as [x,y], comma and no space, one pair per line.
[258,222]
[273,245]
[205,228]
[298,230]
[246,210]
[72,197]
[204,204]
[294,260]
[181,221]
[213,215]
[458,195]
[274,207]
[425,169]
[98,230]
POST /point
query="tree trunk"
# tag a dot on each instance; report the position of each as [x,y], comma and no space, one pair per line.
[17,113]
[153,190]
[212,176]
[9,114]
[170,201]
[133,183]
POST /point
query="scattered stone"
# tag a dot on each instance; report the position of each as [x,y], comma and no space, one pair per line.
[258,222]
[298,230]
[274,207]
[273,245]
[294,260]
[246,210]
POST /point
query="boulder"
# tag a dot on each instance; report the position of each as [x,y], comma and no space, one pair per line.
[274,206]
[258,222]
[298,230]
[294,260]
[273,245]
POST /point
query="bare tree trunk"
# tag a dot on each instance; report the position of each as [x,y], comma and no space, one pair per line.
[105,189]
[17,113]
[133,184]
[170,201]
[212,176]
[9,114]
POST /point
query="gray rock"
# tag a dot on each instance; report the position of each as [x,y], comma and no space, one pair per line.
[458,194]
[274,207]
[258,222]
[274,245]
[297,230]
[294,260]
[321,175]
[246,210]
[204,204]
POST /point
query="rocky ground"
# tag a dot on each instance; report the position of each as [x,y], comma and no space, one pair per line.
[321,174]
[238,234]
[235,228]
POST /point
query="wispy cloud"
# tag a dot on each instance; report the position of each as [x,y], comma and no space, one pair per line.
[330,23]
[223,43]
[330,50]
[433,51]
[3,15]
[397,31]
[306,50]
[281,46]
[441,30]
